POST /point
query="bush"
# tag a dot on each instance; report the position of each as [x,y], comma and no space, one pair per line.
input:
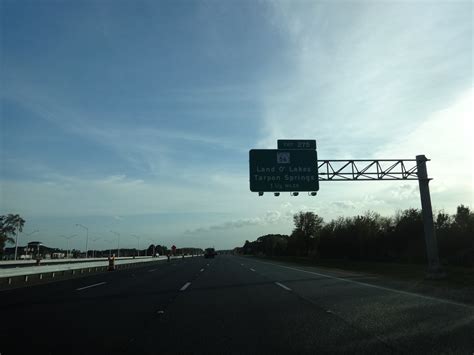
[373,237]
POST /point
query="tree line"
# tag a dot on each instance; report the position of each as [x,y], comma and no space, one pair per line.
[12,224]
[372,237]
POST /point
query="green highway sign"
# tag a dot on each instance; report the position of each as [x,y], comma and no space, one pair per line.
[296,144]
[278,170]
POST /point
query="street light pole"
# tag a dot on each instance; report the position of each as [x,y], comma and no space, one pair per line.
[16,241]
[138,237]
[118,242]
[27,235]
[68,251]
[154,247]
[93,250]
[110,249]
[87,236]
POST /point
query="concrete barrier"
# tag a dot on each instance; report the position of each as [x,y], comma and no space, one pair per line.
[29,276]
[6,264]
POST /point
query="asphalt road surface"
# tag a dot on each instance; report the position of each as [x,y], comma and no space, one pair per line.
[229,305]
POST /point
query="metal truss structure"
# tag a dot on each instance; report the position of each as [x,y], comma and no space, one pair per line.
[391,169]
[377,170]
[367,170]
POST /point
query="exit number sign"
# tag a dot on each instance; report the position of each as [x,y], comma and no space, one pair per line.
[297,144]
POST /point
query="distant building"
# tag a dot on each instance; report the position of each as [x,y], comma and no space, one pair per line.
[34,248]
[58,255]
[31,250]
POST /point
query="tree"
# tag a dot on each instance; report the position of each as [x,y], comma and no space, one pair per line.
[160,249]
[305,236]
[247,248]
[373,237]
[308,223]
[460,244]
[443,221]
[150,250]
[464,218]
[271,244]
[407,239]
[10,224]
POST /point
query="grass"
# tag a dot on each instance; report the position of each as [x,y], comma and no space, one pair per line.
[457,277]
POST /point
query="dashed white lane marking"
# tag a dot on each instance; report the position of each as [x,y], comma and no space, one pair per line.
[151,270]
[374,286]
[283,286]
[252,269]
[201,270]
[186,285]
[94,285]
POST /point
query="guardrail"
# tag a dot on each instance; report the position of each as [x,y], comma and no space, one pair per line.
[28,276]
[5,264]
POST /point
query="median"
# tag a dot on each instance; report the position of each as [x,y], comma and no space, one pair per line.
[33,275]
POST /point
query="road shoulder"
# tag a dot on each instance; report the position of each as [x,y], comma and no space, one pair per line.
[442,289]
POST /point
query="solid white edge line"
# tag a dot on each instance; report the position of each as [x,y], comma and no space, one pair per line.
[252,269]
[283,286]
[94,285]
[186,285]
[374,286]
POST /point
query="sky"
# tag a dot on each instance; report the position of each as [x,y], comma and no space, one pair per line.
[137,117]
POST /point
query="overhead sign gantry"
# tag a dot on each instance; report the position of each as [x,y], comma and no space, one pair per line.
[294,167]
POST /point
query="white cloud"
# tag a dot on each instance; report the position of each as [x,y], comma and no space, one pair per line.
[371,81]
[446,137]
[363,73]
[345,205]
[271,217]
[113,196]
[149,149]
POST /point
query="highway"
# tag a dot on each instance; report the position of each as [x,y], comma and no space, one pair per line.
[230,305]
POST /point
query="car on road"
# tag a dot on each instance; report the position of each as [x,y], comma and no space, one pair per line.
[210,253]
